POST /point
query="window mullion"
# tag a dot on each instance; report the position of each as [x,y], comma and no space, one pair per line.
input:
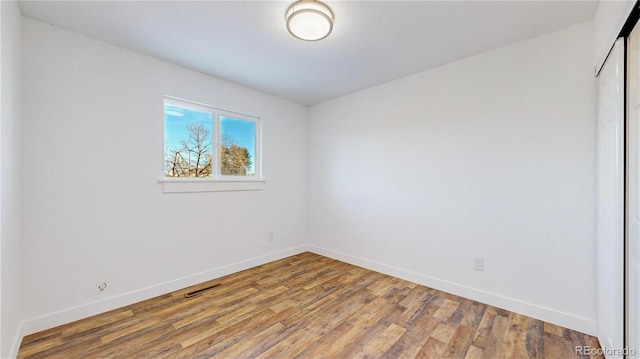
[216,145]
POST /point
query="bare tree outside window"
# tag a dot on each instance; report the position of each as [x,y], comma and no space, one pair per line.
[192,158]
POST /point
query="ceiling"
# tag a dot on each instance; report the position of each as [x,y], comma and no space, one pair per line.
[373,42]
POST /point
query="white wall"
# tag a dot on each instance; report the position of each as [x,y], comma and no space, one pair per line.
[93,154]
[10,186]
[492,156]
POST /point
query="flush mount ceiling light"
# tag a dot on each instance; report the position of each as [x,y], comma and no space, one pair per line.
[309,20]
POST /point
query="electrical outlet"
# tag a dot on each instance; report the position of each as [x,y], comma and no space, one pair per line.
[271,237]
[478,264]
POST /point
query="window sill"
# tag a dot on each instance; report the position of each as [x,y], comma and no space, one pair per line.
[190,185]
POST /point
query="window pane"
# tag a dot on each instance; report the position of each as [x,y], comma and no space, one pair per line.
[237,147]
[187,142]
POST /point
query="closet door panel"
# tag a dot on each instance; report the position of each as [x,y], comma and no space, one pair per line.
[610,199]
[633,195]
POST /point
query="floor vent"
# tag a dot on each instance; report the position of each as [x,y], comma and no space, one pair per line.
[200,291]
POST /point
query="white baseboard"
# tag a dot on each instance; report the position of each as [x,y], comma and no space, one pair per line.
[52,320]
[567,320]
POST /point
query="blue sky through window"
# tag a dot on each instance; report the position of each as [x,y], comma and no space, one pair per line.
[176,121]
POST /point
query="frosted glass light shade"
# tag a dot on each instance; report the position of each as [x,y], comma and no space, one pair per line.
[309,20]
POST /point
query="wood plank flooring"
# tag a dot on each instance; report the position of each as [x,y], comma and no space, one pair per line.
[307,306]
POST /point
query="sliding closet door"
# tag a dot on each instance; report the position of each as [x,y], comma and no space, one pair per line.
[633,194]
[610,199]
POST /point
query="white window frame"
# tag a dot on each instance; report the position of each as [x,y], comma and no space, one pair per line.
[217,182]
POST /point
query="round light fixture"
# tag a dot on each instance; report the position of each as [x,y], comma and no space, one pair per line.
[309,20]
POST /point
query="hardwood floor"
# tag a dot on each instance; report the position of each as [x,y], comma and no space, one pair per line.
[307,306]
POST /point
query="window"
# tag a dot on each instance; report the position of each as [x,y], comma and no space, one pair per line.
[206,143]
